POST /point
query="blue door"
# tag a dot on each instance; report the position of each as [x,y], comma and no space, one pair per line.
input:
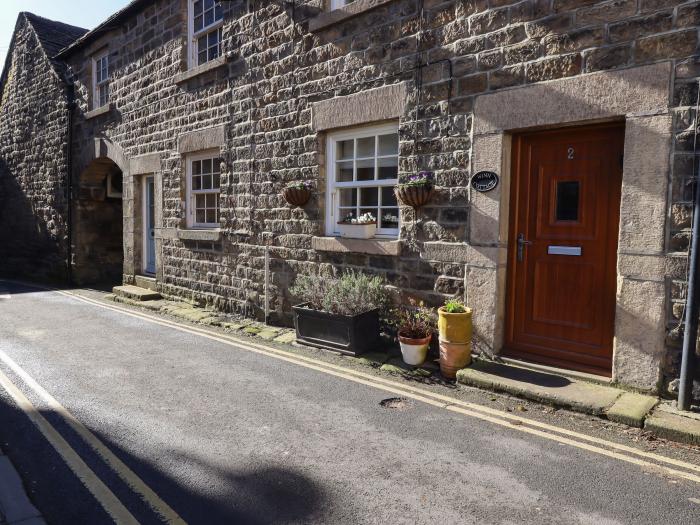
[150,228]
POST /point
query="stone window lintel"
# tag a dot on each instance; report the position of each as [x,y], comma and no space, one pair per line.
[201,234]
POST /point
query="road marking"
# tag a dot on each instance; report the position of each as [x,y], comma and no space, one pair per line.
[125,473]
[97,488]
[521,424]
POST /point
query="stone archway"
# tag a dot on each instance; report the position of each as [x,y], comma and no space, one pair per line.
[98,237]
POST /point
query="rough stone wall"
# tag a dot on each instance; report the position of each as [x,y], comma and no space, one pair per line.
[448,51]
[33,163]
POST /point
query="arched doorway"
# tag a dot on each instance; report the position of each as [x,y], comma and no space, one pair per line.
[98,240]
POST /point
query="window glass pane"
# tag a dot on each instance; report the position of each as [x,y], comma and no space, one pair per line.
[567,200]
[217,165]
[389,218]
[198,23]
[373,211]
[388,197]
[369,197]
[198,7]
[345,149]
[208,18]
[200,216]
[344,172]
[206,182]
[365,169]
[199,201]
[213,52]
[389,144]
[217,181]
[347,197]
[196,167]
[388,168]
[208,4]
[213,38]
[196,183]
[346,214]
[218,13]
[365,147]
[206,166]
[211,200]
[211,216]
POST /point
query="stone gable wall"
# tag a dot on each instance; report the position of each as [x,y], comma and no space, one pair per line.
[276,69]
[33,164]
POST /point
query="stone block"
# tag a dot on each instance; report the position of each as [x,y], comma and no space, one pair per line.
[631,409]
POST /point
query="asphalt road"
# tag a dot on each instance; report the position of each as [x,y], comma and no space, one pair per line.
[225,436]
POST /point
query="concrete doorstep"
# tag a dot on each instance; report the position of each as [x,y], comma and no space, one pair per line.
[15,507]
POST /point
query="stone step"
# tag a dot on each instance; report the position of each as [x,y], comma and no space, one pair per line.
[558,390]
[145,282]
[669,423]
[136,293]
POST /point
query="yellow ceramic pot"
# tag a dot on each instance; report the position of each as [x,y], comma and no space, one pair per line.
[455,328]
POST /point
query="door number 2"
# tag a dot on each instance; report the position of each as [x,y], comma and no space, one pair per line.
[570,153]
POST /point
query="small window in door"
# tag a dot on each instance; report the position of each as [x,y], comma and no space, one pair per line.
[567,200]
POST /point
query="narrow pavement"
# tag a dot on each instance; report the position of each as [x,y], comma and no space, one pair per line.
[110,417]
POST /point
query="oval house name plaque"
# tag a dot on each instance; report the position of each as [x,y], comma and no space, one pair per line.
[484,181]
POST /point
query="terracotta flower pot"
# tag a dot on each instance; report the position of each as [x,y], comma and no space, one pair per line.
[296,196]
[454,357]
[455,328]
[414,351]
[414,196]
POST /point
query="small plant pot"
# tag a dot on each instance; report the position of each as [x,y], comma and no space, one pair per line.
[455,328]
[414,196]
[454,357]
[414,351]
[357,231]
[296,196]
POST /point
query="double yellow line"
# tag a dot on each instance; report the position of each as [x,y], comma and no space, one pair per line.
[121,515]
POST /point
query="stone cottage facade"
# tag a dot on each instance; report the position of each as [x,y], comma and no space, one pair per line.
[190,116]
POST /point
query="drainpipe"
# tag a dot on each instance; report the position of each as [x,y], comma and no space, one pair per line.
[690,335]
[70,92]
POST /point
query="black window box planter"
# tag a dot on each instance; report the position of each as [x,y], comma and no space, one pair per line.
[350,335]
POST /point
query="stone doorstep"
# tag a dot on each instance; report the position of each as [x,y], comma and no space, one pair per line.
[15,507]
[669,423]
[135,293]
[566,392]
[144,281]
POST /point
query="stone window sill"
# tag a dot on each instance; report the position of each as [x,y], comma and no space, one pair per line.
[200,70]
[212,235]
[102,110]
[366,246]
[336,16]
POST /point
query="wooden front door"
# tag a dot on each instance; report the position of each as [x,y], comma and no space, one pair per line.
[565,206]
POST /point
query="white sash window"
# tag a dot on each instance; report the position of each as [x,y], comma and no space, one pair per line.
[205,23]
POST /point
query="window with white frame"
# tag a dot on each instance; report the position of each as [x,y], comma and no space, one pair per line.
[337,4]
[205,31]
[362,172]
[100,80]
[203,189]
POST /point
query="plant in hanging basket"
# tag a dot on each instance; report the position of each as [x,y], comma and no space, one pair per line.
[417,190]
[297,193]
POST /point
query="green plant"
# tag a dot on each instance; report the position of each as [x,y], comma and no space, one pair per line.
[453,306]
[414,320]
[350,294]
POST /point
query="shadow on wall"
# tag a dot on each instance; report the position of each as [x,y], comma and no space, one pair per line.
[33,231]
[259,492]
[98,246]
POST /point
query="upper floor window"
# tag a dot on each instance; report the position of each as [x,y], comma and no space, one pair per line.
[337,4]
[205,31]
[203,190]
[362,171]
[100,80]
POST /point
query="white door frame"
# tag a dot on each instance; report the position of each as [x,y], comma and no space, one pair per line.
[147,240]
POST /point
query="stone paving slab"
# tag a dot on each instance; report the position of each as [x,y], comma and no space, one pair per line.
[15,507]
[539,386]
[631,409]
[669,423]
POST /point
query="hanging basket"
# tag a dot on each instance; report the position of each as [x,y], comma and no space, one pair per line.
[414,196]
[296,196]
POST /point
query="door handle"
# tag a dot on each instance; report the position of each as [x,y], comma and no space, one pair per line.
[522,242]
